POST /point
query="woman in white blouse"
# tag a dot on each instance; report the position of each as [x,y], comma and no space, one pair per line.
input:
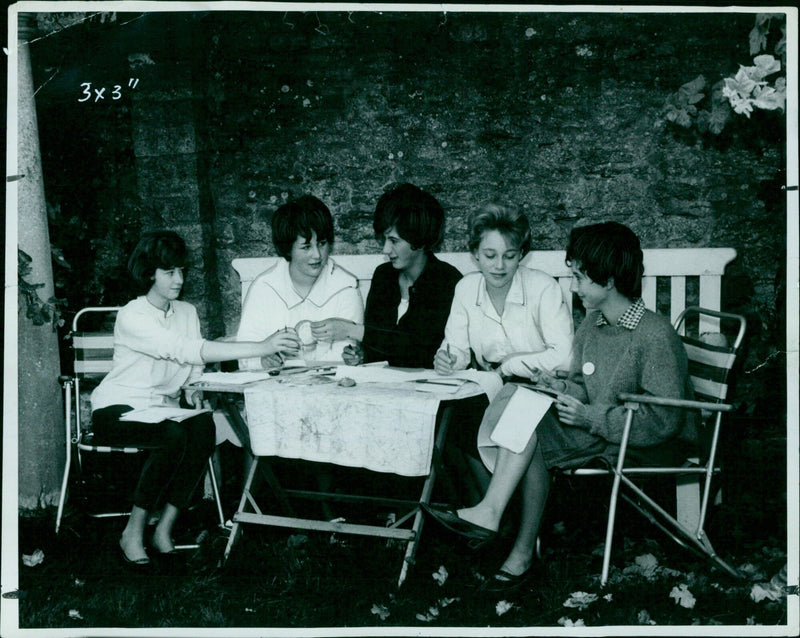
[158,349]
[305,286]
[507,315]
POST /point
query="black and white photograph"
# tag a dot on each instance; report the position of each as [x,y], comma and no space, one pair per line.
[361,319]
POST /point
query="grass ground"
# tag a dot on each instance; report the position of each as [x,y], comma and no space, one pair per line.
[285,579]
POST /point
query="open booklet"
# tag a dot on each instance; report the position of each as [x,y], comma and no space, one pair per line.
[158,414]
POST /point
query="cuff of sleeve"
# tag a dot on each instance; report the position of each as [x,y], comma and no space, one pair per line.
[194,352]
[596,415]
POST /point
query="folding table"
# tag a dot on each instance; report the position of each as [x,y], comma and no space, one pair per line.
[378,426]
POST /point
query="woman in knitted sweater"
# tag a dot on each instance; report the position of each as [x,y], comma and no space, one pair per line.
[619,347]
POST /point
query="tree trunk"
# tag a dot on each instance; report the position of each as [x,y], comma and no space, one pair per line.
[41,415]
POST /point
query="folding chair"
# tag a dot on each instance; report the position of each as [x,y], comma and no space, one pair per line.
[709,366]
[93,352]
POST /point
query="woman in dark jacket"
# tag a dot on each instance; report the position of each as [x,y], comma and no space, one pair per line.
[410,296]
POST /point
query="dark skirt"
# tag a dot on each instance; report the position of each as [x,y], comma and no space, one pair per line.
[567,447]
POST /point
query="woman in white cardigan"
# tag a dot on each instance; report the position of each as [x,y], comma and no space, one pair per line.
[158,349]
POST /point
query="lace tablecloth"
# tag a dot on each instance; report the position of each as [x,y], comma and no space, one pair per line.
[374,426]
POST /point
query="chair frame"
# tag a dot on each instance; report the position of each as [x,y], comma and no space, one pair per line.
[687,527]
[72,390]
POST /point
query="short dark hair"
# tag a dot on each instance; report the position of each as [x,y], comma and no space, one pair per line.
[156,249]
[298,218]
[511,223]
[416,215]
[608,250]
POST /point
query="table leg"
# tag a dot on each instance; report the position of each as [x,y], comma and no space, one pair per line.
[427,490]
[240,428]
[242,502]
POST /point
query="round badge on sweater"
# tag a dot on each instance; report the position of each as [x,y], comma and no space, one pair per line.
[588,368]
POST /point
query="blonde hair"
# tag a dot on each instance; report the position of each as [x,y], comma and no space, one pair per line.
[511,223]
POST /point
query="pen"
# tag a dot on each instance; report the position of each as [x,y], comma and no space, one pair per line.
[531,370]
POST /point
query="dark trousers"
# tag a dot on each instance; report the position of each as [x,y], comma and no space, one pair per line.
[175,466]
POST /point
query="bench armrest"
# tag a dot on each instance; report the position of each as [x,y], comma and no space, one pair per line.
[626,397]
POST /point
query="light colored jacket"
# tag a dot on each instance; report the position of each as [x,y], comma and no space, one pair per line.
[535,327]
[272,304]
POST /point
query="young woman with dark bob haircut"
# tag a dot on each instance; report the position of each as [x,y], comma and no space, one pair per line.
[619,347]
[158,348]
[304,287]
[409,297]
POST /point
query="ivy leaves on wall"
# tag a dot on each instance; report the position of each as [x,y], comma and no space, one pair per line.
[690,106]
[38,311]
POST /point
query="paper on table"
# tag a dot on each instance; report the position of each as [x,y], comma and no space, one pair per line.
[490,382]
[234,378]
[158,414]
[371,374]
[438,387]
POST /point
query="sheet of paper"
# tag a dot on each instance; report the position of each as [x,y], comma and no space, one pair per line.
[158,414]
[519,420]
[372,374]
[235,378]
[490,382]
[437,387]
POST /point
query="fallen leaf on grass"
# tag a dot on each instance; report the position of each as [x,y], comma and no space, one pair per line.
[433,614]
[381,611]
[580,600]
[683,596]
[752,572]
[643,618]
[502,607]
[74,613]
[444,602]
[645,565]
[765,591]
[608,597]
[566,622]
[31,560]
[440,576]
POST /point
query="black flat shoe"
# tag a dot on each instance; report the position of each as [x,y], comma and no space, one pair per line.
[476,535]
[502,581]
[140,564]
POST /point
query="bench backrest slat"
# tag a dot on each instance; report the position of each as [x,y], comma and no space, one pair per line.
[707,264]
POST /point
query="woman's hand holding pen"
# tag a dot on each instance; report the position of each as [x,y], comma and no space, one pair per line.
[353,355]
[540,377]
[444,361]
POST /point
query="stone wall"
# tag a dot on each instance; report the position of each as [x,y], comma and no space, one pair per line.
[559,113]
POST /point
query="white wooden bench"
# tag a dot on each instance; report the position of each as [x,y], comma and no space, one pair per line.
[676,264]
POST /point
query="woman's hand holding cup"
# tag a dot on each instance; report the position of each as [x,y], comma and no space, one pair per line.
[284,342]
